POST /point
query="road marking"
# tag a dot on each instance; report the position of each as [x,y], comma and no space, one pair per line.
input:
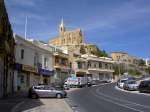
[16,106]
[111,101]
[131,91]
[125,101]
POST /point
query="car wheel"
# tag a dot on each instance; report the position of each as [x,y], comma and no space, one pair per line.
[34,96]
[59,96]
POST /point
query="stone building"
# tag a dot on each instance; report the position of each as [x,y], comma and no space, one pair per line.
[67,38]
[125,58]
[6,53]
[34,64]
[98,68]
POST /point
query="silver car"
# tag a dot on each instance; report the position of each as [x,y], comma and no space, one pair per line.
[46,91]
[130,85]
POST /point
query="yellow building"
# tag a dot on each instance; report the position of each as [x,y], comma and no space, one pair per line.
[67,38]
[125,58]
[119,56]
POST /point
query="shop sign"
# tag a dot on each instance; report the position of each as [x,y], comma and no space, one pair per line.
[17,66]
[46,72]
[29,68]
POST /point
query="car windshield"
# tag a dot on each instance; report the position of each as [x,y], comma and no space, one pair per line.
[132,82]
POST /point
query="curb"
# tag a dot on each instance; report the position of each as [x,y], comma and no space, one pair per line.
[132,92]
[16,106]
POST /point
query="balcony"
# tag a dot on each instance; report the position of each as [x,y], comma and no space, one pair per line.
[100,69]
[61,66]
[62,55]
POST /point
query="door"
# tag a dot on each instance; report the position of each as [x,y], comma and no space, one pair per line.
[40,91]
[49,91]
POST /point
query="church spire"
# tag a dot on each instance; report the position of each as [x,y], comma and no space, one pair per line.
[62,21]
[62,27]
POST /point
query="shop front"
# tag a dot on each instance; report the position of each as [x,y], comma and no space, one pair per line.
[25,76]
[46,76]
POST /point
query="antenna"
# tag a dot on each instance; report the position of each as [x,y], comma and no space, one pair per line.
[25,33]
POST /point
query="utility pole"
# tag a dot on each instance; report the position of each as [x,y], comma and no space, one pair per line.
[25,33]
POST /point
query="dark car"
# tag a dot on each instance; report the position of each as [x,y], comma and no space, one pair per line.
[144,86]
[46,91]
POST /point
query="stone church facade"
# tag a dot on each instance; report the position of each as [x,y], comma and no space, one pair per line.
[67,38]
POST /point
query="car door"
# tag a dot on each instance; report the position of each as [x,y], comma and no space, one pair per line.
[39,90]
[53,92]
[47,91]
[148,87]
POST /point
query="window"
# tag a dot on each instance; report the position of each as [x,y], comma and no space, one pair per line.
[35,59]
[79,65]
[106,66]
[100,65]
[89,64]
[45,63]
[22,53]
[95,65]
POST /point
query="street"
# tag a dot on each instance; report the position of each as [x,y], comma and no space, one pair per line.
[105,98]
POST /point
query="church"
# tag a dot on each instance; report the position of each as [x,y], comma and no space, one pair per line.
[67,38]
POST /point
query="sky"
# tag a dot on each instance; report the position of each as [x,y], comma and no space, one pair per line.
[113,25]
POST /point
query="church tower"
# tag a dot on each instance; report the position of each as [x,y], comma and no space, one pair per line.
[62,28]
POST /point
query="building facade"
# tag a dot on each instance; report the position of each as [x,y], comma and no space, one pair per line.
[95,67]
[61,65]
[34,64]
[125,58]
[6,53]
[147,62]
[67,38]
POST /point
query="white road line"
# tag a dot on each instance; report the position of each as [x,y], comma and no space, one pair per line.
[125,101]
[111,101]
[131,92]
[16,106]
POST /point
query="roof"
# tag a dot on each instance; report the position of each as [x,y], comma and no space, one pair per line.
[78,30]
[119,52]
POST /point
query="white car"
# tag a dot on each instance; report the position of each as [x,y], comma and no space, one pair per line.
[121,82]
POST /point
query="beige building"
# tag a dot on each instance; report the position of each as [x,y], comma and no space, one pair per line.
[67,38]
[98,68]
[125,58]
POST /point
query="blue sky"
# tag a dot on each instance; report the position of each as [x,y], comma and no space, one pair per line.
[114,25]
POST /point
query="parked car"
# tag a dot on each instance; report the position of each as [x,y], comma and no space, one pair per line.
[66,87]
[121,82]
[76,81]
[144,86]
[95,82]
[46,91]
[130,85]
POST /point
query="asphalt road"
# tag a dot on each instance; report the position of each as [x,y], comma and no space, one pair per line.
[105,98]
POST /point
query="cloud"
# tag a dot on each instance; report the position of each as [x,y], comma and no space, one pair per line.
[28,3]
[129,13]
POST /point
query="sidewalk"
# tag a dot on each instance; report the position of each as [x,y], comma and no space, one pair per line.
[8,103]
[19,102]
[47,105]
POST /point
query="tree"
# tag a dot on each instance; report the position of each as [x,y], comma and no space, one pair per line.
[141,62]
[82,50]
[119,69]
[134,72]
[148,70]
